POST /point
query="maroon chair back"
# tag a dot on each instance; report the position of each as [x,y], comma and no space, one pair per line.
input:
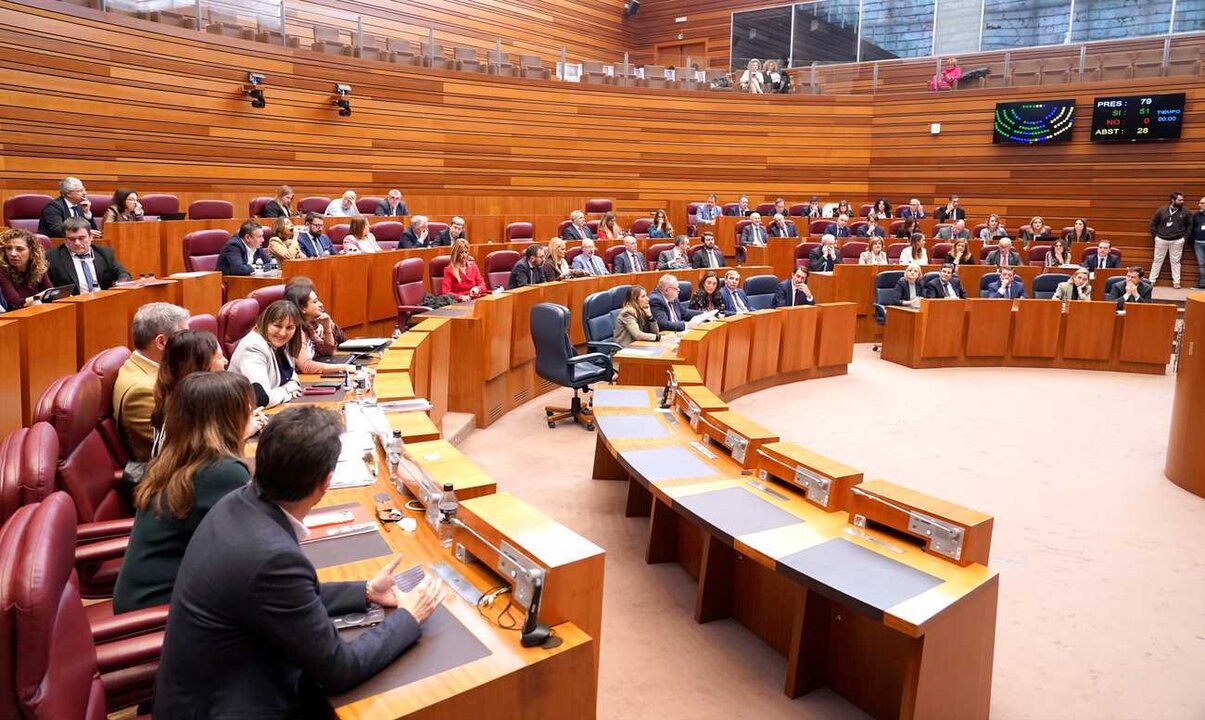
[610,255]
[368,205]
[853,250]
[739,227]
[599,205]
[864,209]
[267,295]
[987,249]
[1037,254]
[974,231]
[336,233]
[560,229]
[692,211]
[408,289]
[201,249]
[235,320]
[205,322]
[798,209]
[314,203]
[255,208]
[765,209]
[817,227]
[859,227]
[939,226]
[593,225]
[729,208]
[43,241]
[210,210]
[55,673]
[28,461]
[105,365]
[24,211]
[572,253]
[100,204]
[160,204]
[654,252]
[519,231]
[437,267]
[388,231]
[937,253]
[894,250]
[86,470]
[896,226]
[433,229]
[640,227]
[498,265]
[802,251]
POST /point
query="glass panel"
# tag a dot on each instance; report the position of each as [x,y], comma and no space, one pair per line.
[1111,19]
[1024,23]
[957,29]
[826,31]
[1190,15]
[762,34]
[899,28]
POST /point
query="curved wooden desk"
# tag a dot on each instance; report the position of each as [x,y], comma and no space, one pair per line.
[892,627]
[1185,451]
[1031,333]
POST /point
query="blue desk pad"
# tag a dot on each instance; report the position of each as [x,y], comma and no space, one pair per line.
[618,427]
[609,397]
[735,511]
[666,464]
[445,644]
[868,580]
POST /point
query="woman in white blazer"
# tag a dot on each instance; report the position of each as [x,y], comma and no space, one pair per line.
[265,355]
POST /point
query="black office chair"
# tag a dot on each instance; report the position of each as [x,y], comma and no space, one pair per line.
[598,318]
[988,279]
[760,289]
[884,295]
[684,291]
[1114,282]
[1045,284]
[556,362]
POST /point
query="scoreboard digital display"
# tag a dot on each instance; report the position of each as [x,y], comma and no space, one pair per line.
[1037,121]
[1138,118]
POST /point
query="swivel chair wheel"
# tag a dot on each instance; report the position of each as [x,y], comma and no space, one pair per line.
[590,426]
[548,413]
[550,423]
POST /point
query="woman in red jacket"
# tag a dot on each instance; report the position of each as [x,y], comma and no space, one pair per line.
[461,277]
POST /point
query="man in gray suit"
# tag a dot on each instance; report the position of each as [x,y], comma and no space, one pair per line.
[957,231]
[753,233]
[1004,255]
[677,257]
[631,259]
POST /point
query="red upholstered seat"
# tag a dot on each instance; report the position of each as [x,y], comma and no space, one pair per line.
[1037,254]
[599,205]
[802,251]
[433,229]
[740,227]
[235,319]
[205,322]
[858,227]
[255,208]
[368,205]
[939,226]
[408,289]
[267,295]
[201,249]
[654,252]
[729,208]
[572,253]
[60,670]
[937,253]
[593,225]
[437,267]
[498,265]
[314,203]
[210,210]
[798,209]
[610,255]
[864,209]
[43,241]
[896,226]
[817,227]
[852,250]
[987,249]
[974,231]
[158,204]
[765,209]
[336,233]
[560,229]
[28,463]
[519,231]
[640,227]
[894,250]
[24,211]
[105,365]
[388,233]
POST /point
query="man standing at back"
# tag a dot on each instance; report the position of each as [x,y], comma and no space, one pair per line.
[1169,226]
[134,390]
[249,633]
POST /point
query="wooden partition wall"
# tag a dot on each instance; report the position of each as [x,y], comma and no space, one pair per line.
[121,102]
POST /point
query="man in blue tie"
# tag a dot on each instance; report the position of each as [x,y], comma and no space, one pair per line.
[589,261]
[79,263]
[314,242]
[1007,287]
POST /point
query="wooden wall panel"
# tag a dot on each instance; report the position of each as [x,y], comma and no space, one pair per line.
[709,20]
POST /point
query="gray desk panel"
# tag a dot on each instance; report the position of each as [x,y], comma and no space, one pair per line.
[871,580]
[666,463]
[609,397]
[618,427]
[345,549]
[736,511]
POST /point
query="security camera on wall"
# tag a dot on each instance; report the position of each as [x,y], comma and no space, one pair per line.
[631,7]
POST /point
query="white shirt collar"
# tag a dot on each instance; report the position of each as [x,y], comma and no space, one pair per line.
[300,531]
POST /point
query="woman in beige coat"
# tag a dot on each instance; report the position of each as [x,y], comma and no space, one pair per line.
[635,320]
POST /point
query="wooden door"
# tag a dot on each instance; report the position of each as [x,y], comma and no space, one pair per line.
[682,54]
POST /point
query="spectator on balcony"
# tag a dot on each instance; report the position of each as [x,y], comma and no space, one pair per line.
[949,76]
[344,206]
[393,205]
[124,207]
[777,81]
[753,80]
[281,205]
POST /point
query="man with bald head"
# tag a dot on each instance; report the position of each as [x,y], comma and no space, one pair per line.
[589,261]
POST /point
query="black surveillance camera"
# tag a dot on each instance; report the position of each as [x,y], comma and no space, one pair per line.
[631,8]
[257,97]
[344,106]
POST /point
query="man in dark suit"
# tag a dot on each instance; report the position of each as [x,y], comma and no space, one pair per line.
[249,633]
[950,211]
[825,257]
[1004,255]
[913,210]
[416,236]
[392,205]
[840,228]
[577,229]
[793,291]
[1094,262]
[669,312]
[454,231]
[530,268]
[753,233]
[631,259]
[779,227]
[79,263]
[708,256]
[1007,287]
[945,285]
[735,299]
[314,242]
[1132,289]
[72,202]
[239,256]
[741,209]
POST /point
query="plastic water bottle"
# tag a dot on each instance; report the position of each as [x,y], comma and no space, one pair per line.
[397,331]
[434,498]
[447,513]
[394,453]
